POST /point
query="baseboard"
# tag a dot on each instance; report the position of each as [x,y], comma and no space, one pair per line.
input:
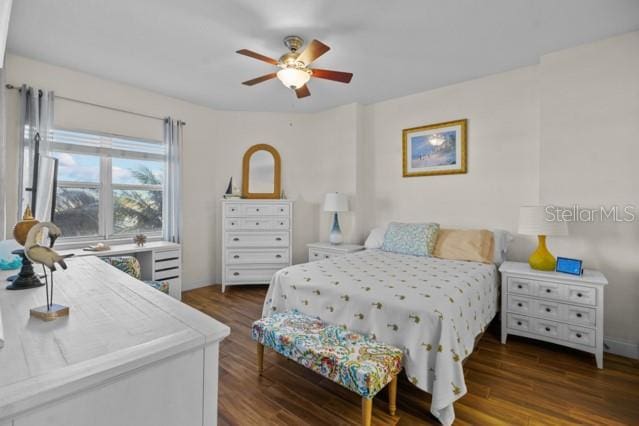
[619,347]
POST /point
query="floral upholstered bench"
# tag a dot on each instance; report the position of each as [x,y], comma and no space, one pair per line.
[356,362]
[131,266]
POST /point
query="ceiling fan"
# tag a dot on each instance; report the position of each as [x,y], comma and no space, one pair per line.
[295,71]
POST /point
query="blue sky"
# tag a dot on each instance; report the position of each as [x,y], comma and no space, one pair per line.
[86,168]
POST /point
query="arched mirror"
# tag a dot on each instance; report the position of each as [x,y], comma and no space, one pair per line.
[261,172]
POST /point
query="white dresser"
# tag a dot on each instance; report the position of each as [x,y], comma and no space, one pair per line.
[554,307]
[125,355]
[257,240]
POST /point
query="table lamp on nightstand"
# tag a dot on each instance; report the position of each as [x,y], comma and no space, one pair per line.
[534,221]
[336,202]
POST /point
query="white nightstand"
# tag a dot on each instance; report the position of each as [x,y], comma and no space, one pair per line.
[554,307]
[319,251]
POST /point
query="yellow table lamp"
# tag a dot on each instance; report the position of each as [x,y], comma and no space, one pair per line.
[533,220]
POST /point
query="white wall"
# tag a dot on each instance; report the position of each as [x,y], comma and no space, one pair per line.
[589,152]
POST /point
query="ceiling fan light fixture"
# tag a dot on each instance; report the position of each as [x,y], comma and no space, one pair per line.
[293,78]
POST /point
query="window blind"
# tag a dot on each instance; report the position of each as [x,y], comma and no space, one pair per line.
[107,145]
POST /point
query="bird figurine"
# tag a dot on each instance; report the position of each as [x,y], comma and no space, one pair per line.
[48,257]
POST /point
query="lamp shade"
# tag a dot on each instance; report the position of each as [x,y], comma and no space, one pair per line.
[335,202]
[533,220]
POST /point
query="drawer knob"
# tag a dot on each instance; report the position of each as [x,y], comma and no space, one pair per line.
[519,286]
[579,294]
[282,223]
[236,239]
[236,273]
[315,254]
[278,239]
[257,210]
[578,335]
[547,328]
[518,322]
[257,223]
[232,210]
[279,256]
[579,315]
[519,304]
[237,256]
[281,210]
[548,290]
[548,309]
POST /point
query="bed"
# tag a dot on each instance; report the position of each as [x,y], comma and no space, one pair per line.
[432,308]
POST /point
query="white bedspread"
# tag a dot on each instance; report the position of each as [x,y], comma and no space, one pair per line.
[432,308]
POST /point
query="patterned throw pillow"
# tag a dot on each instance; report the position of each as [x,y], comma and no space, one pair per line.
[417,239]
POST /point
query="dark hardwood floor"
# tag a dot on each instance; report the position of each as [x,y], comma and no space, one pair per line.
[521,383]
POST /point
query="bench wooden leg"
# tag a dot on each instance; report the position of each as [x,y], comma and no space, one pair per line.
[392,396]
[260,358]
[367,411]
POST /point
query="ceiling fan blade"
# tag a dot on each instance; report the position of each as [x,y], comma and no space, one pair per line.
[303,92]
[257,56]
[314,50]
[260,79]
[342,77]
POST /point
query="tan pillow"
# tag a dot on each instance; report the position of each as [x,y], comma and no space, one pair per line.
[465,244]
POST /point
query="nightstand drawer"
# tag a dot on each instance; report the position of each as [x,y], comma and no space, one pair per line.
[549,290]
[521,286]
[548,328]
[318,255]
[520,322]
[579,294]
[579,315]
[547,309]
[580,335]
[520,304]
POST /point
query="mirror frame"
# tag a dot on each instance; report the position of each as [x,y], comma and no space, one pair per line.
[246,162]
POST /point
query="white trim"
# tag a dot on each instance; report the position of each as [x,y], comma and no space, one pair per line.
[620,347]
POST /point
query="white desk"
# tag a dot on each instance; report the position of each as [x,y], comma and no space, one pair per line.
[126,355]
[159,261]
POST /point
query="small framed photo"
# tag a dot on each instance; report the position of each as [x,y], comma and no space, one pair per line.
[569,266]
[436,149]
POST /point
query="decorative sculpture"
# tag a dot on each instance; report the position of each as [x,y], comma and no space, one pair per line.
[48,258]
[26,278]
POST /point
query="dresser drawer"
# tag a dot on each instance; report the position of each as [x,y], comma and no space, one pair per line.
[318,255]
[243,256]
[251,275]
[256,210]
[580,294]
[265,239]
[579,315]
[520,304]
[166,274]
[167,263]
[580,335]
[521,286]
[256,223]
[519,322]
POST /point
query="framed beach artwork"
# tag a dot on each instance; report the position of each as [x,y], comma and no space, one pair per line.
[436,149]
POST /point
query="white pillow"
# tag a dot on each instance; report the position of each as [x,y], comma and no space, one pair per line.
[502,241]
[375,239]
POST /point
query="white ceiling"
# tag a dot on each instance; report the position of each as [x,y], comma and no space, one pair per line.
[185,48]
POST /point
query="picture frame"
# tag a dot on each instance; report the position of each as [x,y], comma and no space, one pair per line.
[435,149]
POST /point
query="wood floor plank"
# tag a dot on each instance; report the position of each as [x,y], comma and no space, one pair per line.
[524,382]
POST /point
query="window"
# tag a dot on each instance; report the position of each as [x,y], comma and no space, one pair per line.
[109,187]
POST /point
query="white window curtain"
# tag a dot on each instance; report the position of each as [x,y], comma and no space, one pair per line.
[172,226]
[36,122]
